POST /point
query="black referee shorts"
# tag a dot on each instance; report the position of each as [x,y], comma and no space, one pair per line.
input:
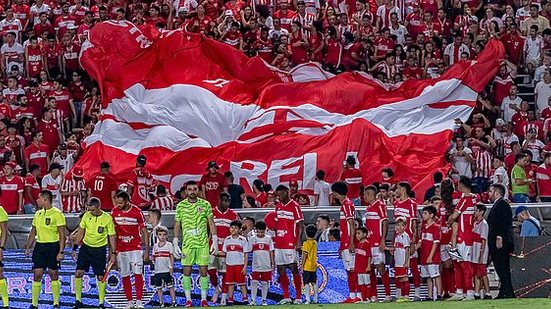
[45,256]
[95,257]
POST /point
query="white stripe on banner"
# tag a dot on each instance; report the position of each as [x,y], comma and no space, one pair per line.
[171,110]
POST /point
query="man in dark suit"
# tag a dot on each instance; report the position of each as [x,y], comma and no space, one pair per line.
[500,239]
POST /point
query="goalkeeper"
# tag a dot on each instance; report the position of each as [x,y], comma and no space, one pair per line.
[193,219]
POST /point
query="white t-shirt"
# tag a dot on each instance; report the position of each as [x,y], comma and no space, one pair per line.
[400,33]
[507,111]
[500,176]
[535,148]
[533,48]
[461,164]
[161,256]
[323,189]
[261,248]
[67,163]
[235,249]
[544,92]
[481,228]
[53,185]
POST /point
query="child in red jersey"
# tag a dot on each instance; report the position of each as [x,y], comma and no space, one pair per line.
[362,263]
[430,251]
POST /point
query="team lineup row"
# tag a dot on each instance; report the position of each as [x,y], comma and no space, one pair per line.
[362,248]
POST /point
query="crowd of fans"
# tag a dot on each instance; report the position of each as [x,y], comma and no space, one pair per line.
[48,104]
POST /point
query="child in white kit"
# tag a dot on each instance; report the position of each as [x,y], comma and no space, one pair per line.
[236,249]
[163,257]
[479,257]
[262,247]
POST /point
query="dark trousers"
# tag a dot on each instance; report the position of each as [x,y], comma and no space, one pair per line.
[502,264]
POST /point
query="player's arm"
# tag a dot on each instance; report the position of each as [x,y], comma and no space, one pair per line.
[414,231]
[304,257]
[246,264]
[382,243]
[453,217]
[61,230]
[20,207]
[272,259]
[407,256]
[300,226]
[368,269]
[145,240]
[30,240]
[352,233]
[435,246]
[4,238]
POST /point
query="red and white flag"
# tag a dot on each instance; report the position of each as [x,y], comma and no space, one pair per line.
[183,100]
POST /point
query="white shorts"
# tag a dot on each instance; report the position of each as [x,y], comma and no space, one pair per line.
[217,262]
[432,271]
[363,279]
[444,253]
[285,256]
[377,256]
[130,262]
[465,252]
[347,259]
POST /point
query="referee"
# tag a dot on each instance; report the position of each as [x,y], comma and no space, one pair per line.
[3,238]
[95,231]
[48,228]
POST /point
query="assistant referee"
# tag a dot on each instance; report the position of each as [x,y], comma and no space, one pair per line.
[3,238]
[95,231]
[48,228]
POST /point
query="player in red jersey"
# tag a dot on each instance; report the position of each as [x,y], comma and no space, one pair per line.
[406,207]
[430,252]
[445,205]
[140,184]
[289,224]
[348,232]
[12,186]
[131,232]
[212,184]
[463,213]
[376,222]
[353,179]
[32,190]
[223,216]
[103,186]
[362,263]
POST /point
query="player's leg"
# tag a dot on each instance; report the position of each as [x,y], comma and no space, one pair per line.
[160,295]
[136,269]
[222,273]
[416,276]
[297,280]
[202,260]
[378,259]
[98,262]
[486,285]
[3,287]
[434,271]
[187,262]
[123,262]
[213,276]
[83,265]
[255,276]
[53,270]
[348,262]
[282,278]
[264,286]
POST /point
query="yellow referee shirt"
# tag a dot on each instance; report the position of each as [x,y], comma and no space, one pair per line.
[3,217]
[46,223]
[97,229]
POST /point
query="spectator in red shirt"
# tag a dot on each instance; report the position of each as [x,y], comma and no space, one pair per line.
[12,190]
[77,89]
[352,176]
[37,153]
[32,189]
[213,183]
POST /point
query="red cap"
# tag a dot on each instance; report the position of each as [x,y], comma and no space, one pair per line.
[11,165]
[78,172]
[293,183]
[415,4]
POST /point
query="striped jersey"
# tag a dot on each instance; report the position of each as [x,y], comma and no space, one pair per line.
[222,221]
[375,215]
[163,203]
[128,225]
[193,218]
[466,207]
[161,257]
[261,249]
[73,203]
[235,249]
[407,209]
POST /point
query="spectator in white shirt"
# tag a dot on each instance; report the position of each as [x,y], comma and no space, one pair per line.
[510,105]
[543,91]
[532,49]
[461,157]
[322,189]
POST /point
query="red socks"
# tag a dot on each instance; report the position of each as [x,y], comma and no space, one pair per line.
[414,267]
[448,280]
[373,285]
[405,288]
[386,283]
[467,275]
[224,285]
[127,287]
[352,281]
[213,276]
[284,282]
[298,285]
[138,280]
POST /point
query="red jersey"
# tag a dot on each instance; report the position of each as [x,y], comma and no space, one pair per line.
[375,215]
[70,55]
[214,185]
[415,24]
[141,182]
[11,189]
[127,226]
[261,198]
[429,6]
[21,12]
[384,46]
[77,91]
[530,171]
[430,234]
[362,255]
[347,212]
[101,186]
[62,24]
[287,217]
[39,29]
[286,18]
[30,181]
[51,54]
[466,207]
[38,155]
[73,203]
[222,222]
[543,176]
[34,60]
[233,39]
[407,209]
[6,110]
[50,132]
[299,53]
[334,51]
[353,178]
[62,99]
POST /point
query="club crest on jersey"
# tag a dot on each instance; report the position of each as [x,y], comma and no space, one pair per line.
[232,247]
[199,209]
[48,221]
[100,229]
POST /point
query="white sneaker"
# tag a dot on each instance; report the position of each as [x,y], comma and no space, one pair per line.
[374,299]
[285,301]
[223,302]
[456,297]
[130,304]
[469,297]
[138,304]
[306,302]
[214,298]
[264,303]
[251,303]
[297,301]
